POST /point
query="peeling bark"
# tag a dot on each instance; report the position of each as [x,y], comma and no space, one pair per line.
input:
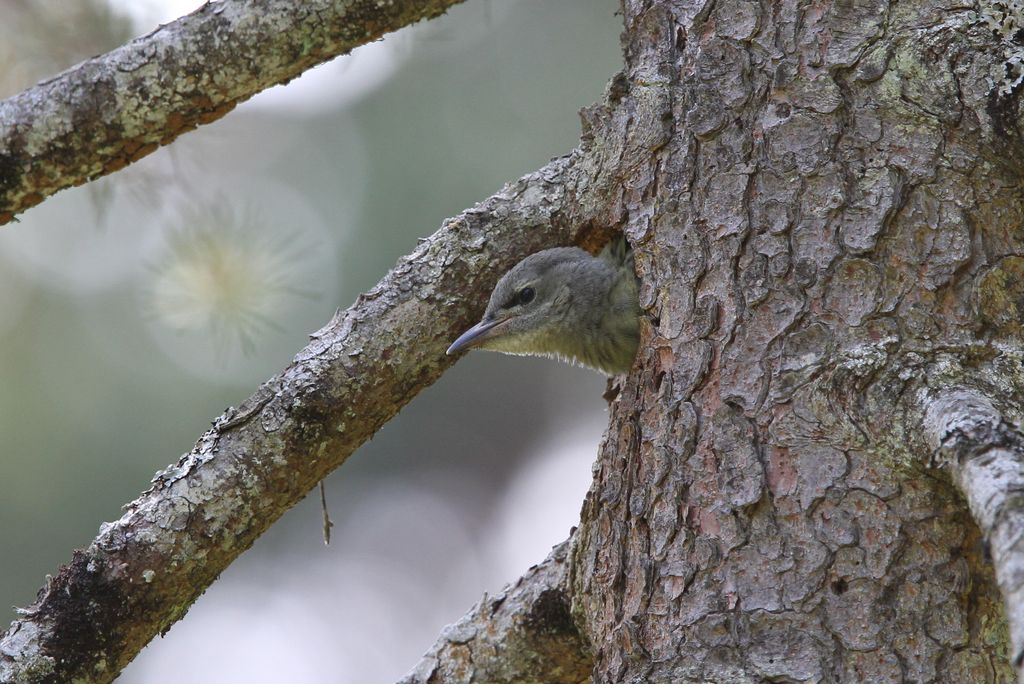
[524,635]
[143,571]
[112,110]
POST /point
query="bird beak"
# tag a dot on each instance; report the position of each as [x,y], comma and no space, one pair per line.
[475,335]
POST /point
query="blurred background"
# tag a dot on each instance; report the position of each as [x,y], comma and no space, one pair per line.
[135,309]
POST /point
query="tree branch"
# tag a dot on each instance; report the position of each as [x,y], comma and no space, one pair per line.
[986,456]
[524,635]
[112,110]
[142,572]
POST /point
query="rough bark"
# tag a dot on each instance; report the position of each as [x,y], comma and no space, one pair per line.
[524,635]
[826,207]
[143,571]
[112,110]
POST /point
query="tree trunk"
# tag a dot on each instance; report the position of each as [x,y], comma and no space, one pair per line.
[825,204]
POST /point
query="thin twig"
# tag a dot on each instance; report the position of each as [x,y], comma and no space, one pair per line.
[327,516]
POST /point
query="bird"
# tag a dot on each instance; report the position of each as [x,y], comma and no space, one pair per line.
[567,304]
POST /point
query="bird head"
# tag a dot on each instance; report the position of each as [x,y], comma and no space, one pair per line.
[531,308]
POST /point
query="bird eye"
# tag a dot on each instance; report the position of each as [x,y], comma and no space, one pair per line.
[526,295]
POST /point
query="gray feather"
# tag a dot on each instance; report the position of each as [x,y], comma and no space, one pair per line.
[583,309]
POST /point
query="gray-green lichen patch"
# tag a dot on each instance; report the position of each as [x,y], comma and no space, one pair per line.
[1006,20]
[999,297]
